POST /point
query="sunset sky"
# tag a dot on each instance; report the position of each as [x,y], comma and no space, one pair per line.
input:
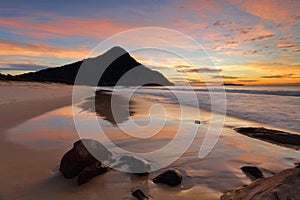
[250,42]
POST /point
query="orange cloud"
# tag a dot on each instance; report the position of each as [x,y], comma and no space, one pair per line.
[275,11]
[98,28]
[9,48]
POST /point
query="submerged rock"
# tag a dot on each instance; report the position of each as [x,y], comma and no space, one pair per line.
[136,165]
[283,185]
[90,172]
[81,156]
[273,136]
[170,177]
[252,172]
[139,194]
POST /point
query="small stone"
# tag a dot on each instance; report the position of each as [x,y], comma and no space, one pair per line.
[170,177]
[252,172]
[197,122]
[139,194]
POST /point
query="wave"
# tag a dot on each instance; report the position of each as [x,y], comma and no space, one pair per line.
[295,93]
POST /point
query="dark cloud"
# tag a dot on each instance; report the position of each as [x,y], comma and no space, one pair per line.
[279,76]
[183,66]
[261,37]
[226,77]
[201,70]
[23,67]
[218,23]
[247,81]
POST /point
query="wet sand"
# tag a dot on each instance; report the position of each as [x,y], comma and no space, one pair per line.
[33,143]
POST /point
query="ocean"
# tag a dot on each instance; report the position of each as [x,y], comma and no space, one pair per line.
[275,106]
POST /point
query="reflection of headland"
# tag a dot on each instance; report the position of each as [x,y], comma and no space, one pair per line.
[103,106]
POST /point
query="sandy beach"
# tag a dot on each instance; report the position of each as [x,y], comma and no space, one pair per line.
[37,128]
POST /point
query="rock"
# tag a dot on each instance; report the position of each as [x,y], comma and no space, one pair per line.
[139,194]
[273,136]
[297,165]
[90,172]
[75,160]
[170,177]
[136,165]
[252,172]
[283,185]
[197,122]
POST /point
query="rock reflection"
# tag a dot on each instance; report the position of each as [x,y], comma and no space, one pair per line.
[103,107]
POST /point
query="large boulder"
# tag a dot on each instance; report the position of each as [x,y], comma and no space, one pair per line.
[170,177]
[283,185]
[90,172]
[84,153]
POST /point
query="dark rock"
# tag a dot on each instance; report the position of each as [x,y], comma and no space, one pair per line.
[170,177]
[82,155]
[297,165]
[90,172]
[283,185]
[252,172]
[197,122]
[273,136]
[139,194]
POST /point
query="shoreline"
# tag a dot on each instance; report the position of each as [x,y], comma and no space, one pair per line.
[32,175]
[19,99]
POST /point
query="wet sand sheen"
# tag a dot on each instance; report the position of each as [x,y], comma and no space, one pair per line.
[32,151]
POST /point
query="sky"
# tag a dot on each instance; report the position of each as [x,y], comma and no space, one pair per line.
[251,42]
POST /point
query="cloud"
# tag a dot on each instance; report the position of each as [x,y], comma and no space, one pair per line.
[225,77]
[218,23]
[279,76]
[183,66]
[23,67]
[287,45]
[65,27]
[248,81]
[261,37]
[279,12]
[34,49]
[201,70]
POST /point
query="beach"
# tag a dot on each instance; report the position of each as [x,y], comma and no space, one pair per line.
[37,128]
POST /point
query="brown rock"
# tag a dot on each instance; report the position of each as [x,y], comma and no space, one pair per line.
[90,172]
[283,185]
[81,156]
[170,177]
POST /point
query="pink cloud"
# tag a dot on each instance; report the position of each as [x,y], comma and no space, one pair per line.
[275,11]
[98,28]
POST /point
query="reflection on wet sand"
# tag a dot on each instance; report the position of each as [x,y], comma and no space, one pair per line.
[104,102]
